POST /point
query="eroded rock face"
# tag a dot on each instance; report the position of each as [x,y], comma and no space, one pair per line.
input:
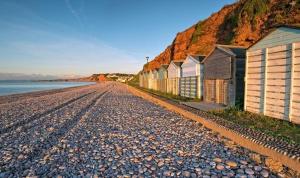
[242,23]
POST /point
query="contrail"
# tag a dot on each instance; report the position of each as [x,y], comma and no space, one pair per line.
[74,12]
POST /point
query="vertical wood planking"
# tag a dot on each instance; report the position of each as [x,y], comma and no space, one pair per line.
[292,82]
[266,51]
[245,81]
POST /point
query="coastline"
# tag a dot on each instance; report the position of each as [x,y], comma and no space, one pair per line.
[32,94]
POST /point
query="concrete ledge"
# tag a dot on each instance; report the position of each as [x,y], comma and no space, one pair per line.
[234,136]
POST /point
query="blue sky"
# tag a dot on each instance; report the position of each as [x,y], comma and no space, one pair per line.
[82,37]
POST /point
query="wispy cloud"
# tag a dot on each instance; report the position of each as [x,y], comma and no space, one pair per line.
[31,44]
[74,12]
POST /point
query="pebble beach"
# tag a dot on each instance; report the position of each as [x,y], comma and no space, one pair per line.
[103,130]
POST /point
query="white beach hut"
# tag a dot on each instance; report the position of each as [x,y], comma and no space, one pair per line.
[174,74]
[272,80]
[191,81]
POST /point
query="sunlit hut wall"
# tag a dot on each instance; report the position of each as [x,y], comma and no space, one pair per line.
[174,74]
[162,78]
[273,75]
[150,79]
[155,79]
[141,79]
[224,75]
[192,77]
[146,79]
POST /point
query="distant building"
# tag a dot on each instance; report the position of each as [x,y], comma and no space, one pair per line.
[224,70]
[273,75]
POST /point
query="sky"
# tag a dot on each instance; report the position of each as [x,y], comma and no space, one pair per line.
[82,37]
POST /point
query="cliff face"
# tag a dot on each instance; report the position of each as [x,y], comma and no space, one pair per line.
[242,23]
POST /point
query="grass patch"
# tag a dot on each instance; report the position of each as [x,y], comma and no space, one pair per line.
[274,127]
[198,32]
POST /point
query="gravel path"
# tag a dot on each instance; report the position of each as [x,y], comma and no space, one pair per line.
[106,131]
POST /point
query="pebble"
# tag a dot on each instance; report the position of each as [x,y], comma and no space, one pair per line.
[160,164]
[231,164]
[264,173]
[117,134]
[249,171]
[217,160]
[220,167]
[257,168]
[186,173]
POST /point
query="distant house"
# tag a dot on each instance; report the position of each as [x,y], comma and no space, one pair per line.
[273,75]
[224,75]
[192,75]
[174,74]
[162,78]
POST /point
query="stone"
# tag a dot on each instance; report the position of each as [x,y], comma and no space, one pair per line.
[274,165]
[264,173]
[243,162]
[240,171]
[160,164]
[186,174]
[149,158]
[249,171]
[167,173]
[213,164]
[20,157]
[232,164]
[257,168]
[217,160]
[220,167]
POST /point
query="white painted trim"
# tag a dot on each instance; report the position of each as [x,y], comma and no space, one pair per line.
[245,81]
[266,51]
[292,82]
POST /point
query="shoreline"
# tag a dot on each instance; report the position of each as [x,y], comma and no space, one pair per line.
[32,94]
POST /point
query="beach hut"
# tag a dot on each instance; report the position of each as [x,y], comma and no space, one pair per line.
[155,79]
[141,79]
[192,75]
[162,78]
[272,78]
[174,74]
[224,70]
[150,79]
[146,79]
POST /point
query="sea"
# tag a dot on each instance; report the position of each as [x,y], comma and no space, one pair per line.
[8,87]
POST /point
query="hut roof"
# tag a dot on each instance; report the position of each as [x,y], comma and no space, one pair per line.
[199,58]
[164,66]
[237,51]
[177,63]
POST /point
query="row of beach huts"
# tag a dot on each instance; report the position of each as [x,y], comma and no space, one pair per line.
[266,76]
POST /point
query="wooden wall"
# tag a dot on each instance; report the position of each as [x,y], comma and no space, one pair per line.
[189,86]
[273,82]
[174,71]
[217,65]
[279,37]
[217,91]
[173,85]
[190,67]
